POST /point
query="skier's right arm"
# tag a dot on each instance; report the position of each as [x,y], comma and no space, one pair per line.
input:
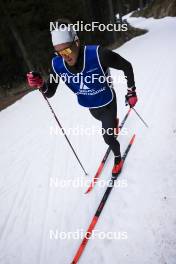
[48,88]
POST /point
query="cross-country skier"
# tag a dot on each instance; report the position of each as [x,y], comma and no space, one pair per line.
[87,61]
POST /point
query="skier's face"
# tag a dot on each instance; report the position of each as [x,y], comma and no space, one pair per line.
[69,51]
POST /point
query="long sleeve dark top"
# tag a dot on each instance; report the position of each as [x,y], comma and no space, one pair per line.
[108,59]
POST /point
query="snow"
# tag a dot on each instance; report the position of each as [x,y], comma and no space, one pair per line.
[143,208]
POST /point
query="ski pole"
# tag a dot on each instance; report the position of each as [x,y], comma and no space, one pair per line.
[140,117]
[57,120]
[29,64]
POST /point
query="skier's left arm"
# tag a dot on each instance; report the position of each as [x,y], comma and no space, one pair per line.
[111,59]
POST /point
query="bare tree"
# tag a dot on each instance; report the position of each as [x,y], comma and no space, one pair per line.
[112,17]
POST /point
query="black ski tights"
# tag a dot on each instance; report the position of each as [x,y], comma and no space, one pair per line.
[108,116]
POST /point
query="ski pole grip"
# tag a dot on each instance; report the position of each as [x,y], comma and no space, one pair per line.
[35,74]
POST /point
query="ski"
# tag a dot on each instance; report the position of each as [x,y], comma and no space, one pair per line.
[101,166]
[99,210]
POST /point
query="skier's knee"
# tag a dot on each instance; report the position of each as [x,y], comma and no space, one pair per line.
[108,139]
